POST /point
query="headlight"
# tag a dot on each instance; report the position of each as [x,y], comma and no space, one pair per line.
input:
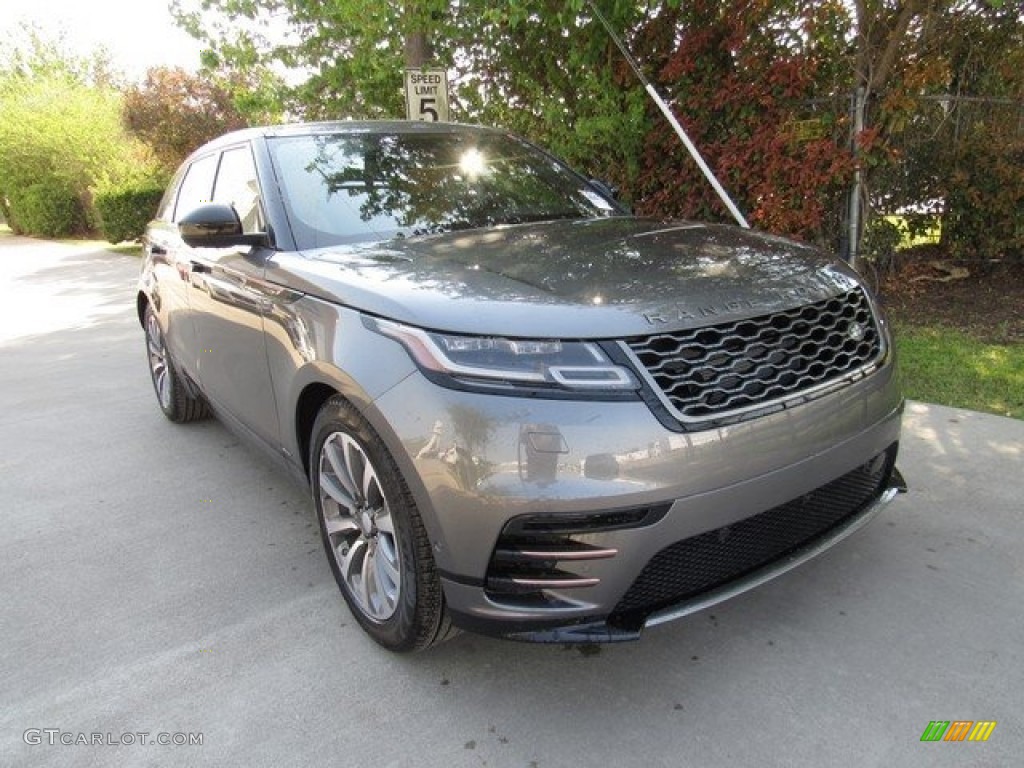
[500,362]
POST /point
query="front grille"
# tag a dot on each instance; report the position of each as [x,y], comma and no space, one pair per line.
[717,370]
[701,563]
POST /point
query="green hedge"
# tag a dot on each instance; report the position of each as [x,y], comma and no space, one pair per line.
[125,210]
[49,208]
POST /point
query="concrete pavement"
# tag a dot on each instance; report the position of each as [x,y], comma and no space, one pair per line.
[166,579]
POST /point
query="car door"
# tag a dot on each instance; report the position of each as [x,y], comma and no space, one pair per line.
[226,301]
[170,260]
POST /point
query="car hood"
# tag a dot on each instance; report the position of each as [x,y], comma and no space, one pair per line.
[599,278]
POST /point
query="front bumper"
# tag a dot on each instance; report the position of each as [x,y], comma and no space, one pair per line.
[606,630]
[475,463]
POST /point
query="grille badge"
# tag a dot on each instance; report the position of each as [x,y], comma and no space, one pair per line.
[855,331]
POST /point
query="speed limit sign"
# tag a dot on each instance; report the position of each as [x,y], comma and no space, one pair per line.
[426,95]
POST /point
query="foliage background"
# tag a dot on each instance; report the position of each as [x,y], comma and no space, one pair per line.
[82,151]
[765,87]
[60,129]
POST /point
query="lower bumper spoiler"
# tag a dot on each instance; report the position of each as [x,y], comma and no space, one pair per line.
[602,632]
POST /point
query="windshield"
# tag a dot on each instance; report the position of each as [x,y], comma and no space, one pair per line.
[346,188]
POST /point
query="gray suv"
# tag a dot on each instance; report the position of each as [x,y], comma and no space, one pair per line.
[521,410]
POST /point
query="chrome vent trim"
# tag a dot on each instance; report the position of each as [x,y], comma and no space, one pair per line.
[539,552]
[519,566]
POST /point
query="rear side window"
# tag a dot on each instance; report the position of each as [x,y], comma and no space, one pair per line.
[197,187]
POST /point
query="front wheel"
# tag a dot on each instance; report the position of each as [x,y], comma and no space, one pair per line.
[373,534]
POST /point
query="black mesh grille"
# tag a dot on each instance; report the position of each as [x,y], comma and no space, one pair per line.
[712,371]
[701,563]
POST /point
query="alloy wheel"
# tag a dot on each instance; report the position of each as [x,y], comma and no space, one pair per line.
[359,526]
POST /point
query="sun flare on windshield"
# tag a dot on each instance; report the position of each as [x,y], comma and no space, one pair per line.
[472,163]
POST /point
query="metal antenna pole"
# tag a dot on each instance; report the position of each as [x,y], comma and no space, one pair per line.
[859,101]
[667,112]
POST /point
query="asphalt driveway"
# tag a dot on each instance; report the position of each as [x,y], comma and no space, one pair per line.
[159,579]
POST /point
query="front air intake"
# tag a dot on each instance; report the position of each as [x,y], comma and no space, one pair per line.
[535,553]
[712,559]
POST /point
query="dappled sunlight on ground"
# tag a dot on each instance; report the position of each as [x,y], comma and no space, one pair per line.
[941,432]
[47,287]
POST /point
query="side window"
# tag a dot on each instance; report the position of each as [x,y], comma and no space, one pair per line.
[197,186]
[166,210]
[237,185]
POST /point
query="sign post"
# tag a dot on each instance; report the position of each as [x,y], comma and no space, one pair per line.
[426,95]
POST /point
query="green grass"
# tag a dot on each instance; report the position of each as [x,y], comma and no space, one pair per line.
[949,367]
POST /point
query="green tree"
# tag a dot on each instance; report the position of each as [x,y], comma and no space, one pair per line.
[29,53]
[57,138]
[764,86]
[344,57]
[60,134]
[549,70]
[539,67]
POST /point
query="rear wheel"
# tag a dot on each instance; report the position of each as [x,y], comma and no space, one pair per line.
[373,534]
[171,391]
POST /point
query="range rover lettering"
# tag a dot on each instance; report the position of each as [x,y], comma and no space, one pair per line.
[521,410]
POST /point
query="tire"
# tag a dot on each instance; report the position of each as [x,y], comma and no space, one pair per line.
[372,532]
[172,394]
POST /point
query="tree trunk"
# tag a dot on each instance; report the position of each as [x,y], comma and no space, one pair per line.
[418,50]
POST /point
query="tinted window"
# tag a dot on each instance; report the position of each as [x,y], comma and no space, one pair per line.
[166,210]
[197,188]
[347,188]
[237,186]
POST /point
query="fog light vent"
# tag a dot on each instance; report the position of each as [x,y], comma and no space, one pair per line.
[540,552]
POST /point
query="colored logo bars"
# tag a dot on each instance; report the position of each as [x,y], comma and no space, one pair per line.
[958,730]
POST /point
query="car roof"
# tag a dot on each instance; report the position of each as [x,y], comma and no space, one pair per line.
[345,126]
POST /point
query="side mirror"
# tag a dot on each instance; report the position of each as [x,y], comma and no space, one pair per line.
[216,225]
